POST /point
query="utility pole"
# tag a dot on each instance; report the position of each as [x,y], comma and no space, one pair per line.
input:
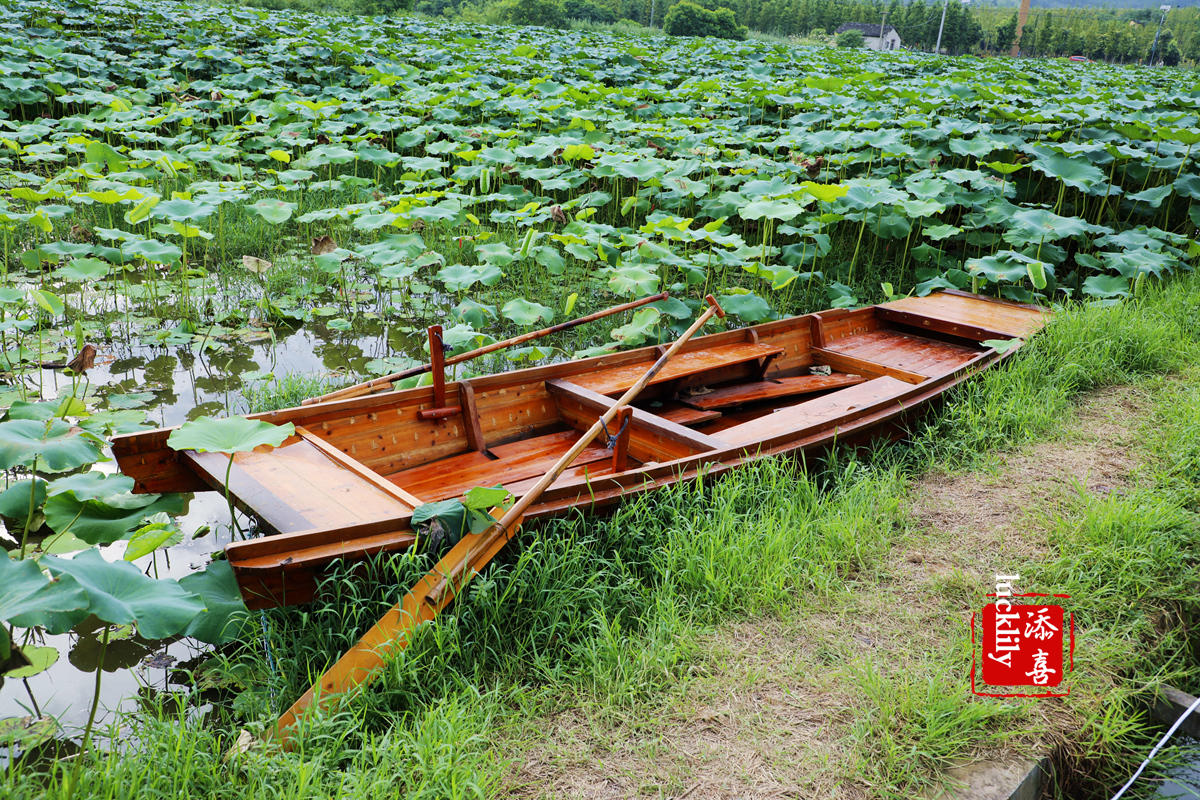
[882,25]
[937,48]
[1161,20]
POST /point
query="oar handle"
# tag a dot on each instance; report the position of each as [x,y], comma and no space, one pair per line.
[369,387]
[517,511]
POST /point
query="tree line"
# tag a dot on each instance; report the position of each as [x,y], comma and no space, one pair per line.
[1115,35]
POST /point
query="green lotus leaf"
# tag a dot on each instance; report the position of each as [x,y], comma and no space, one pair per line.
[633,280]
[475,314]
[153,251]
[228,435]
[749,306]
[158,532]
[1104,286]
[26,733]
[39,660]
[1071,171]
[1188,186]
[120,594]
[826,193]
[56,445]
[639,329]
[1152,197]
[273,210]
[496,253]
[80,270]
[225,616]
[106,514]
[101,153]
[182,210]
[525,313]
[93,485]
[1002,167]
[771,209]
[15,501]
[460,277]
[29,598]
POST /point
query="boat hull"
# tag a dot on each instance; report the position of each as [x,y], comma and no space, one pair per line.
[345,486]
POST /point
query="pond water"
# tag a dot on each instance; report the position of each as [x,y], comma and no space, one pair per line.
[185,384]
[1183,779]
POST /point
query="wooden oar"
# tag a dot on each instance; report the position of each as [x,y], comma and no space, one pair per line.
[437,588]
[378,384]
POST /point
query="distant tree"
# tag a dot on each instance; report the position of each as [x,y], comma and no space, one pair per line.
[1006,34]
[688,19]
[851,39]
[537,12]
[589,10]
[1168,49]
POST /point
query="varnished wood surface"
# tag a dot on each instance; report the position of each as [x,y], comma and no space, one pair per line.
[905,351]
[453,476]
[823,411]
[770,390]
[297,487]
[618,379]
[1005,319]
[519,404]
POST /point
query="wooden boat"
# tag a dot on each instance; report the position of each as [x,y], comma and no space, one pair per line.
[346,484]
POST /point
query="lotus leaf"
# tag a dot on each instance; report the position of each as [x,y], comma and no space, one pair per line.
[55,445]
[228,435]
[118,593]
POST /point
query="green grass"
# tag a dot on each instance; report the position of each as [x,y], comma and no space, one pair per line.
[609,611]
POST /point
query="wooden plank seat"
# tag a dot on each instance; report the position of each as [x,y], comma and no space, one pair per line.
[905,351]
[513,463]
[821,412]
[302,486]
[615,380]
[742,393]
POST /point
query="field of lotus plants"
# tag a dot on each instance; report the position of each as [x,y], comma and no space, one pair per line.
[200,199]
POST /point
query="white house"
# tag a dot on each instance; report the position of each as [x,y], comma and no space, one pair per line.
[876,37]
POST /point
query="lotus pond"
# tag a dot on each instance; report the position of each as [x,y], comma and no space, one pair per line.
[217,199]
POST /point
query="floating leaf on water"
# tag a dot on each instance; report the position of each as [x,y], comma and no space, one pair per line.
[26,732]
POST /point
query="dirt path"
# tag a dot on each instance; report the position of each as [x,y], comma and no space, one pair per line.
[772,708]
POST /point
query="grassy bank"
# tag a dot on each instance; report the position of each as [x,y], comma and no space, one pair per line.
[610,613]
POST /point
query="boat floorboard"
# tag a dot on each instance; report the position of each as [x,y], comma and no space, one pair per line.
[755,391]
[955,309]
[905,351]
[514,462]
[297,487]
[617,379]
